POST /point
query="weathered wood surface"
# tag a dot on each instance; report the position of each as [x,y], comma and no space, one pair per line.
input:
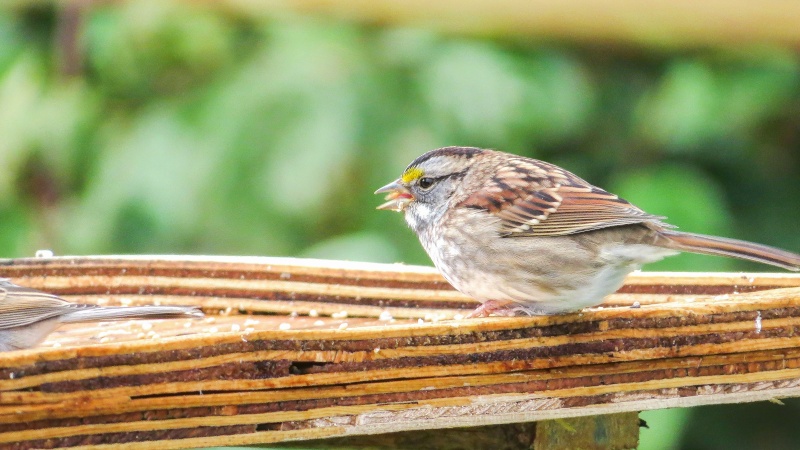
[384,350]
[605,432]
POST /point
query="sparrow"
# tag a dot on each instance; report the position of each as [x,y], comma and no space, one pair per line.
[522,235]
[27,316]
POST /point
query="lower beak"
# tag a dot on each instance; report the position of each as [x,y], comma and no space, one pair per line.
[397,195]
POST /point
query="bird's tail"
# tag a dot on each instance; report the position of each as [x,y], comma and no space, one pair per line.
[87,313]
[718,246]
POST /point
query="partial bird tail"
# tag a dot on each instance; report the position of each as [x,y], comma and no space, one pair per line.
[718,246]
[88,313]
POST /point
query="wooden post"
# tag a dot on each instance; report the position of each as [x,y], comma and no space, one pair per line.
[297,350]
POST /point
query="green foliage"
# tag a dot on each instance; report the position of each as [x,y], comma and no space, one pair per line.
[189,131]
[195,132]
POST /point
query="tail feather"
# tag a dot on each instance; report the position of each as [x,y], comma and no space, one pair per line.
[718,246]
[95,314]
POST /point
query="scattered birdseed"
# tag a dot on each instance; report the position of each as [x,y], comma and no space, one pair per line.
[758,322]
[313,313]
[249,330]
[636,305]
[284,326]
[343,325]
[44,253]
[385,316]
[250,322]
[146,325]
[235,327]
[319,323]
[339,315]
[213,330]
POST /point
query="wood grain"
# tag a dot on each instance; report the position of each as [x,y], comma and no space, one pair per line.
[302,349]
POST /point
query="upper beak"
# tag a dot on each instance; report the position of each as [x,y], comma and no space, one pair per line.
[398,196]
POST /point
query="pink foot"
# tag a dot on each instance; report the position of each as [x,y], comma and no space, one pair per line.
[492,307]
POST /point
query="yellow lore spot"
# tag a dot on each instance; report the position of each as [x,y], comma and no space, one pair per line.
[412,174]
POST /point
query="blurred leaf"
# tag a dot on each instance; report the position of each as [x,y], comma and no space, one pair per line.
[10,41]
[15,231]
[20,93]
[473,91]
[151,47]
[679,113]
[697,102]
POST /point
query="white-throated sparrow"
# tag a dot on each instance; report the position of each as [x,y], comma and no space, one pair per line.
[518,234]
[27,316]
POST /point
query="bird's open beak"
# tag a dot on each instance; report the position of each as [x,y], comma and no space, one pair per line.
[397,195]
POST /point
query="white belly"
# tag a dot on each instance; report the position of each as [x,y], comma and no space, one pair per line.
[543,275]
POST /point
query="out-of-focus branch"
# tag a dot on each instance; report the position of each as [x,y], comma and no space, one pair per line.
[68,33]
[663,24]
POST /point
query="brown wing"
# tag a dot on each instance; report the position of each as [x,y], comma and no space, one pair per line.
[23,306]
[535,198]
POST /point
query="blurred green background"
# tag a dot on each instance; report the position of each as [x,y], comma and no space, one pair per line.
[157,127]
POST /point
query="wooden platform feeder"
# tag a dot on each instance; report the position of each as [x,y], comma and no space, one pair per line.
[299,350]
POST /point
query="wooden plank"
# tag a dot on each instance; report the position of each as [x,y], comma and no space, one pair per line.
[251,372]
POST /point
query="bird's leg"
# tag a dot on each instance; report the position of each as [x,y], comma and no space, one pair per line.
[495,307]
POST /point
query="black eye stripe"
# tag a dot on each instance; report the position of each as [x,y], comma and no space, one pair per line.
[435,180]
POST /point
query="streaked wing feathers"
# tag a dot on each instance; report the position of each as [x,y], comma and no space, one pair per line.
[23,306]
[534,198]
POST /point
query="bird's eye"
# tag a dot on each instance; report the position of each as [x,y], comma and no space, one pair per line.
[426,183]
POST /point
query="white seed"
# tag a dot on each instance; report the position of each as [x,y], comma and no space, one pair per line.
[44,253]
